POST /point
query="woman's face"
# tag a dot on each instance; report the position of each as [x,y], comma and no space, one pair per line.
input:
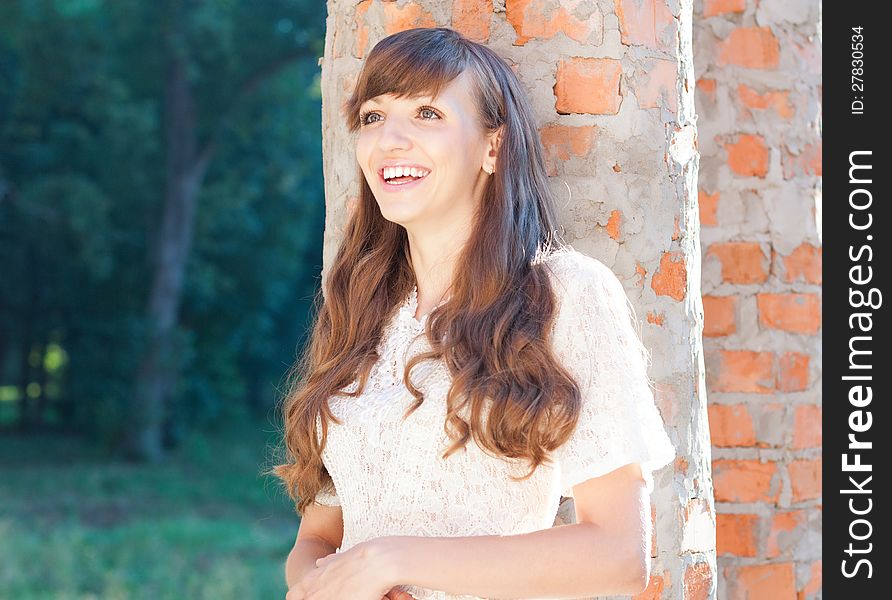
[423,157]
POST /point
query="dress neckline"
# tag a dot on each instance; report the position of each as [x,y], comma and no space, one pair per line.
[410,306]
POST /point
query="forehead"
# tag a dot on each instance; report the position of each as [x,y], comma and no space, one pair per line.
[457,93]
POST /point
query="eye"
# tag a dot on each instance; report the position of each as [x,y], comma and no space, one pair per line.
[428,113]
[367,118]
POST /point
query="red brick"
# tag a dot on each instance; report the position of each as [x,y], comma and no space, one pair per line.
[770,424]
[742,262]
[718,315]
[796,313]
[804,263]
[655,587]
[743,371]
[399,18]
[793,376]
[362,29]
[779,100]
[748,156]
[471,18]
[782,536]
[805,479]
[730,425]
[698,580]
[646,23]
[613,224]
[588,85]
[750,47]
[562,142]
[744,480]
[813,586]
[776,581]
[807,423]
[543,19]
[661,83]
[806,162]
[712,8]
[735,535]
[671,278]
[709,204]
[706,85]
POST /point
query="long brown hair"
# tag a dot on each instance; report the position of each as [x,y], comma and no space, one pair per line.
[493,332]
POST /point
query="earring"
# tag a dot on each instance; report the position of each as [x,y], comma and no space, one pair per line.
[489,170]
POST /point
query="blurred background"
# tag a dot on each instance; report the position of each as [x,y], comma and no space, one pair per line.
[161,220]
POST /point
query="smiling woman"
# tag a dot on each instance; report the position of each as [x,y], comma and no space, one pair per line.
[466,368]
[400,134]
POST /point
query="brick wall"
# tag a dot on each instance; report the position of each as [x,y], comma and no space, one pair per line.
[758,68]
[612,87]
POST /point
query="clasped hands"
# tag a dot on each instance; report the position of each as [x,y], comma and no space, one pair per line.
[364,572]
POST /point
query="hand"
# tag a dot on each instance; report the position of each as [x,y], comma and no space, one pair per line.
[395,594]
[359,574]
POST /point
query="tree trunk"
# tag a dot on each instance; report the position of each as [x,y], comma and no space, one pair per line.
[185,168]
[185,171]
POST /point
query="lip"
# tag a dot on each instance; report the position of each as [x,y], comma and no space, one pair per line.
[399,187]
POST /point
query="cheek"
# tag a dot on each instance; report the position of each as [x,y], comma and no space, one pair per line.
[363,152]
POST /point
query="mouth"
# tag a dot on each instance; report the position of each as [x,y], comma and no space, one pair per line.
[402,178]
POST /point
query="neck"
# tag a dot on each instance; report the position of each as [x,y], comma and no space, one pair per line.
[433,259]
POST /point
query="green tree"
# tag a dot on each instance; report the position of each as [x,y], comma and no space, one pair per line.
[160,209]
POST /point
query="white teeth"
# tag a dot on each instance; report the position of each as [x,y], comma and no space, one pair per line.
[401,171]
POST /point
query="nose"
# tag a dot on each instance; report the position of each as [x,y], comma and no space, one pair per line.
[393,135]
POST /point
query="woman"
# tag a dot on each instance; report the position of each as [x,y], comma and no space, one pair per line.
[453,312]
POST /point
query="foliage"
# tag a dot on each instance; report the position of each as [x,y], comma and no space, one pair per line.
[81,188]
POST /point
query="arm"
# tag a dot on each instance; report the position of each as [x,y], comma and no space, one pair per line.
[606,552]
[302,558]
[320,533]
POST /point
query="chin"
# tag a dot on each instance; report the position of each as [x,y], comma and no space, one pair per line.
[398,214]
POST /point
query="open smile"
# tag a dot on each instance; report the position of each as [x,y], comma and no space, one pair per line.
[401,178]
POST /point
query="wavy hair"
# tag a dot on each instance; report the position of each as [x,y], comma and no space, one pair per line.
[493,331]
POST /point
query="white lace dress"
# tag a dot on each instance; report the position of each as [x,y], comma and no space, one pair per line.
[388,472]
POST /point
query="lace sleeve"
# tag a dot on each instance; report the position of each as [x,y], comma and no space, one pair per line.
[327,498]
[596,339]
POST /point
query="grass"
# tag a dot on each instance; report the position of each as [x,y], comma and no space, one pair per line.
[205,524]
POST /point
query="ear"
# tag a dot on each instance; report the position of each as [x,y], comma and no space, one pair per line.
[494,141]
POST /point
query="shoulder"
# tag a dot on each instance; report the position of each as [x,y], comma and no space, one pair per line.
[574,273]
[590,297]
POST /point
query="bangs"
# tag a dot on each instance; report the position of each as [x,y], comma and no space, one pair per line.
[416,62]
